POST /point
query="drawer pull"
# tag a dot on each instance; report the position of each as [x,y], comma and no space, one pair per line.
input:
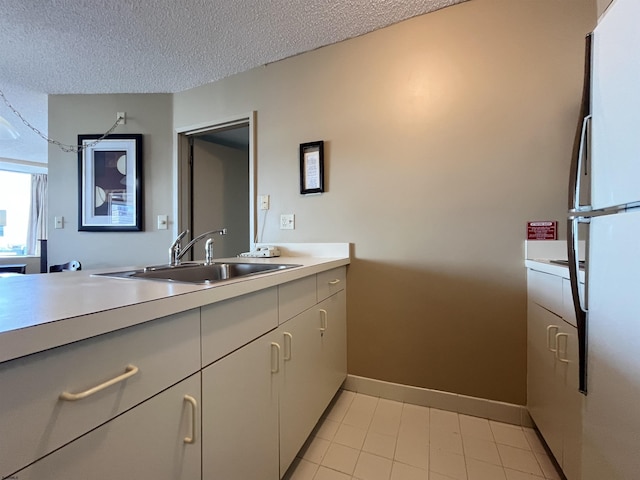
[275,347]
[323,320]
[194,411]
[334,282]
[558,357]
[287,346]
[553,349]
[130,371]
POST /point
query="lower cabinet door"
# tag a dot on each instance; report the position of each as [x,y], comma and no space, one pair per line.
[334,345]
[301,383]
[240,413]
[156,440]
[544,395]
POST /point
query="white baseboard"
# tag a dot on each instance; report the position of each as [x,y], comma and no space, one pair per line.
[477,407]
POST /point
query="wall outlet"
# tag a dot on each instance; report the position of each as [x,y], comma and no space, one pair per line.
[58,222]
[264,202]
[287,221]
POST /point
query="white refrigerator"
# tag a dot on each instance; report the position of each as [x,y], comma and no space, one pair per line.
[608,149]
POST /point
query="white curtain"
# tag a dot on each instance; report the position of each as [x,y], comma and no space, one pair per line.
[38,214]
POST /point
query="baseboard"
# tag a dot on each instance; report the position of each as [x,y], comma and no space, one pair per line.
[477,407]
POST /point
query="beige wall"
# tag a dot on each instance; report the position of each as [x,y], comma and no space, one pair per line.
[70,115]
[444,135]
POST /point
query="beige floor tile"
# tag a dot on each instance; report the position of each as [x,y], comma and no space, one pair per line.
[372,467]
[516,475]
[412,453]
[443,420]
[315,449]
[341,458]
[480,449]
[511,435]
[301,469]
[477,470]
[325,473]
[447,463]
[534,440]
[326,429]
[402,471]
[339,406]
[475,427]
[360,412]
[378,444]
[350,436]
[518,459]
[445,440]
[546,465]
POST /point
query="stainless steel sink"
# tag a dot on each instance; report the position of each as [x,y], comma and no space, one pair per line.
[199,273]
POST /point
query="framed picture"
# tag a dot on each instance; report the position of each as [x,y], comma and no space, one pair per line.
[312,167]
[110,183]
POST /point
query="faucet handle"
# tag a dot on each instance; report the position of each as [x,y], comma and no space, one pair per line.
[208,252]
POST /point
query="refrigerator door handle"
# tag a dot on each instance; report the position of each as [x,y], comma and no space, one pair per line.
[576,169]
[578,303]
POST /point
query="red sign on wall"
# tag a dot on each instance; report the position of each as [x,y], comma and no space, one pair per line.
[542,230]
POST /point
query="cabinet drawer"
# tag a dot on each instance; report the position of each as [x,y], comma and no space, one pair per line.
[296,297]
[34,420]
[330,282]
[228,325]
[545,290]
[147,442]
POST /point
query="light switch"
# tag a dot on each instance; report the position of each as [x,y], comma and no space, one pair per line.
[58,222]
[163,222]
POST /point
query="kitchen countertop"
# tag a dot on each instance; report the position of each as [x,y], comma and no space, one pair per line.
[39,312]
[547,266]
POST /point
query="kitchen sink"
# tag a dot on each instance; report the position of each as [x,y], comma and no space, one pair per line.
[200,273]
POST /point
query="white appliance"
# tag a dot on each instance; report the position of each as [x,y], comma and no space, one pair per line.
[608,147]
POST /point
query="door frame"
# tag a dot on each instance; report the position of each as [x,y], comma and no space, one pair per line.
[181,169]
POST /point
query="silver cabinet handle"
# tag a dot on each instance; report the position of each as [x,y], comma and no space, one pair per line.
[130,371]
[287,346]
[194,413]
[275,347]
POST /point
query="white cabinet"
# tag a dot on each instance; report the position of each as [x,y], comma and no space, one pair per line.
[240,414]
[240,388]
[553,399]
[313,368]
[157,440]
[228,391]
[153,355]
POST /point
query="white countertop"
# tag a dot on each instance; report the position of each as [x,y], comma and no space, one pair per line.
[38,312]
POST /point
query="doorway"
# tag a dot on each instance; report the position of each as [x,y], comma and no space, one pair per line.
[216,187]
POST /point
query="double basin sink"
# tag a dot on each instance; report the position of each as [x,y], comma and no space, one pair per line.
[199,273]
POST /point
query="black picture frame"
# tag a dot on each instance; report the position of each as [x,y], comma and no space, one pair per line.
[312,167]
[110,183]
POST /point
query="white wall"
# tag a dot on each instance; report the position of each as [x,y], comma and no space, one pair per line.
[71,115]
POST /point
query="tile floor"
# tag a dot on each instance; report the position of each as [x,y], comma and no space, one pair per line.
[366,438]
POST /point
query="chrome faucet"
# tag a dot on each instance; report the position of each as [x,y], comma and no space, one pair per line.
[176,252]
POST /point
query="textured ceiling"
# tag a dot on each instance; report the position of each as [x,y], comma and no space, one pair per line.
[116,46]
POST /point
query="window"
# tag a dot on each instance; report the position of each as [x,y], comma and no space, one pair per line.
[15,205]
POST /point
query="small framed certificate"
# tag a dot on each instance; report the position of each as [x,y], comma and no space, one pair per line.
[312,167]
